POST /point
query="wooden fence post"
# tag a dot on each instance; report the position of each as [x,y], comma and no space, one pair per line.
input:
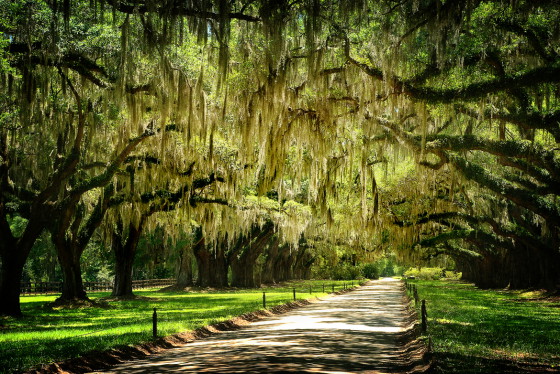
[264,300]
[294,290]
[154,324]
[424,317]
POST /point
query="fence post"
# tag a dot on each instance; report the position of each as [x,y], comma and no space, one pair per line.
[310,289]
[154,324]
[416,298]
[424,317]
[264,300]
[294,290]
[323,288]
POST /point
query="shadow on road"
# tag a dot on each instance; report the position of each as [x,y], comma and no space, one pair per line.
[353,332]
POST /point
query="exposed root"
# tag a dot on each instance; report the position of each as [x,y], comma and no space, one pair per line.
[78,304]
[128,297]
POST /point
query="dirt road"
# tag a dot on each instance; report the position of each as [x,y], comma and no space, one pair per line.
[354,332]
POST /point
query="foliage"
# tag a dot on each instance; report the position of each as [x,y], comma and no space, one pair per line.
[425,128]
[370,271]
[345,272]
[431,273]
[481,331]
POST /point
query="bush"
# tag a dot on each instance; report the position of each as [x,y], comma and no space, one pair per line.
[370,271]
[346,272]
[339,272]
[453,275]
[431,273]
[425,273]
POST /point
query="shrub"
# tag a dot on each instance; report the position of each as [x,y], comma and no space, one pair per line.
[370,271]
[339,272]
[425,273]
[453,275]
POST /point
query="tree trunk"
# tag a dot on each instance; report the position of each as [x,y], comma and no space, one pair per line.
[184,268]
[219,268]
[69,259]
[123,272]
[271,255]
[297,268]
[283,265]
[202,256]
[10,282]
[241,275]
[243,260]
[14,252]
[212,267]
[124,257]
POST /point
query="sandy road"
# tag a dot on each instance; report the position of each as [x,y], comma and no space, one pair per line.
[356,332]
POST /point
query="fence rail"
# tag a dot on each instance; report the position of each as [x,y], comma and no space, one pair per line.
[45,288]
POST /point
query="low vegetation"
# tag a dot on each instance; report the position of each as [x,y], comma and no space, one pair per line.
[482,331]
[48,334]
[431,273]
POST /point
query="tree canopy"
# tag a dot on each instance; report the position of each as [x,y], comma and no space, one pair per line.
[426,126]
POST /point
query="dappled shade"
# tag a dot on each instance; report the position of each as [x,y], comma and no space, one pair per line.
[358,331]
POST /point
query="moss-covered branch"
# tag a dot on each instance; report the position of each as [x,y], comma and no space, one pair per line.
[523,149]
[177,9]
[527,120]
[470,92]
[521,197]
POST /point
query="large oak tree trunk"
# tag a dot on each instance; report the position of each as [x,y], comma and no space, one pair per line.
[283,265]
[211,265]
[219,268]
[202,257]
[299,262]
[72,286]
[124,256]
[10,279]
[203,266]
[123,275]
[184,268]
[243,259]
[242,272]
[14,252]
[267,273]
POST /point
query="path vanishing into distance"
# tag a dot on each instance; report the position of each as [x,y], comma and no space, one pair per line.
[360,331]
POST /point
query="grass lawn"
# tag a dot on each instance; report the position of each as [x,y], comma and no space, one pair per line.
[491,331]
[46,335]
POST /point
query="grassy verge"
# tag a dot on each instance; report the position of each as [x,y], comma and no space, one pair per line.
[489,331]
[47,335]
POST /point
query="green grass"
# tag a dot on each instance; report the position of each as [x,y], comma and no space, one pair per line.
[481,331]
[47,335]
